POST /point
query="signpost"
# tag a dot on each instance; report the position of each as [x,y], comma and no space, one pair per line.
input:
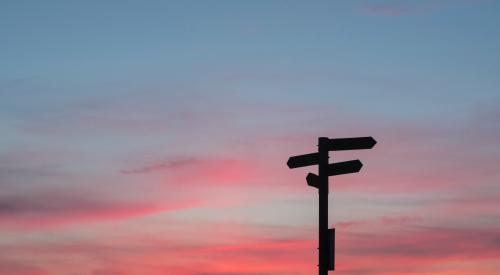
[320,181]
[303,160]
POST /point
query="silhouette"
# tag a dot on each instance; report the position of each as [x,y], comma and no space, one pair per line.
[326,257]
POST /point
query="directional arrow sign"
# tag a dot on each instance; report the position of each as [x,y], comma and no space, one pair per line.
[339,168]
[312,180]
[345,167]
[303,160]
[338,144]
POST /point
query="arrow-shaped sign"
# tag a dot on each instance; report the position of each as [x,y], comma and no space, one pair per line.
[338,144]
[344,167]
[338,168]
[303,160]
[312,180]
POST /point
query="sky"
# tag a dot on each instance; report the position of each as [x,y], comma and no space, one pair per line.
[151,137]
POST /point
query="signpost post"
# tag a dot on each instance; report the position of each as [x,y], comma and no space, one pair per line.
[320,181]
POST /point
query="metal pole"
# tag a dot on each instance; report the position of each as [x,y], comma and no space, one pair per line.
[323,205]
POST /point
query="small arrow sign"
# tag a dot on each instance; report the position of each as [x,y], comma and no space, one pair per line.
[345,167]
[303,160]
[339,168]
[339,144]
[312,180]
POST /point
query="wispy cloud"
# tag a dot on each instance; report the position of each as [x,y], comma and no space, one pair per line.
[415,250]
[20,268]
[161,166]
[67,206]
[207,171]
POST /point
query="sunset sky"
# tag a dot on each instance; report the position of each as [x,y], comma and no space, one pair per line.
[151,137]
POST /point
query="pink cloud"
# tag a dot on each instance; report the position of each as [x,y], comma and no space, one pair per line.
[379,223]
[203,171]
[20,268]
[161,166]
[416,251]
[468,205]
[62,207]
[423,248]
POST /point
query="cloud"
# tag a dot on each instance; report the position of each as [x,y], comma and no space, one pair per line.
[206,171]
[65,206]
[128,115]
[383,221]
[138,253]
[420,157]
[250,249]
[419,250]
[161,166]
[20,268]
[21,166]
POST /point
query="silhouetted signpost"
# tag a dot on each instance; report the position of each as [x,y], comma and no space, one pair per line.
[320,181]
